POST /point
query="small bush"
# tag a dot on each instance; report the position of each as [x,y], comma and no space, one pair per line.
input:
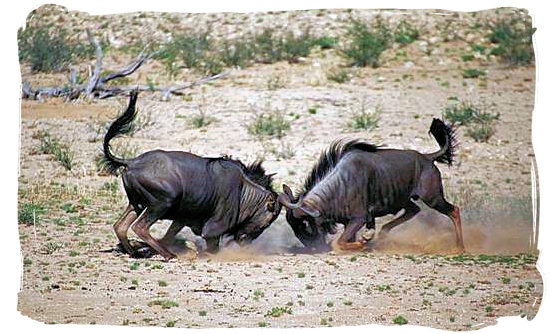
[465,112]
[472,73]
[339,75]
[405,33]
[480,124]
[237,53]
[51,145]
[276,81]
[269,124]
[367,43]
[481,132]
[326,42]
[164,303]
[268,47]
[184,51]
[295,46]
[514,37]
[28,213]
[278,311]
[50,49]
[400,320]
[467,57]
[365,119]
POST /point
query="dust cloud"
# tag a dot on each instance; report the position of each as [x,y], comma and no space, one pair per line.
[502,228]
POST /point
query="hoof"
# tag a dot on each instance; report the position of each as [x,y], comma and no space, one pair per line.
[143,253]
[368,235]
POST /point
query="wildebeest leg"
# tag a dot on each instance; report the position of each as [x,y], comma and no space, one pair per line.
[170,235]
[452,212]
[141,228]
[122,225]
[347,239]
[431,192]
[212,244]
[411,210]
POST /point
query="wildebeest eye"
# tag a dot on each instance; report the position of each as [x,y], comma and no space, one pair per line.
[271,200]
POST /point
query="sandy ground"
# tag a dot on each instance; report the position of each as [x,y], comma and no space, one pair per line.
[413,274]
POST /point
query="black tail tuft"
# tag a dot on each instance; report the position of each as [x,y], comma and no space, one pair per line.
[120,126]
[445,135]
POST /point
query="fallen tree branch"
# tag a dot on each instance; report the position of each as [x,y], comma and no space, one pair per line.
[97,86]
[103,91]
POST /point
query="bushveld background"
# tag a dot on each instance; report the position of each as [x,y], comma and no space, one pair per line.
[295,81]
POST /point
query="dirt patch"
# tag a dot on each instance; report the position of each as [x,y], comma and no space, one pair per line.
[57,109]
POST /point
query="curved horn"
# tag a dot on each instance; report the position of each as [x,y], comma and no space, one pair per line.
[284,200]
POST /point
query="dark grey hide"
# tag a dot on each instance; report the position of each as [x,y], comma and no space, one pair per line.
[213,196]
[354,182]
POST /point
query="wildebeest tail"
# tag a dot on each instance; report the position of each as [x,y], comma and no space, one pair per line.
[445,135]
[120,126]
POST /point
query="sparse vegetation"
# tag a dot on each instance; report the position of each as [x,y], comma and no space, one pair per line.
[52,145]
[278,311]
[48,49]
[514,40]
[164,303]
[367,42]
[405,33]
[339,75]
[365,119]
[472,73]
[400,320]
[481,132]
[29,213]
[480,124]
[269,124]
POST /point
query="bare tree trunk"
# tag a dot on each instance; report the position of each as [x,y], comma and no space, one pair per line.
[96,87]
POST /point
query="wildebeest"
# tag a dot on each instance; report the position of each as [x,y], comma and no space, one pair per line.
[354,181]
[213,196]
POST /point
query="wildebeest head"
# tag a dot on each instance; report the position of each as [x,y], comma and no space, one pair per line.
[259,206]
[303,220]
[259,220]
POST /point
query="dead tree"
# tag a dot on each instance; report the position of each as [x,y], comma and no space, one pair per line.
[97,86]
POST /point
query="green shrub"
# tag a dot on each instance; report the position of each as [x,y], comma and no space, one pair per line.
[472,73]
[184,51]
[49,49]
[46,52]
[278,311]
[467,57]
[339,75]
[479,124]
[405,33]
[28,213]
[269,124]
[365,119]
[268,47]
[481,132]
[367,42]
[400,320]
[514,37]
[465,112]
[326,42]
[61,153]
[238,53]
[297,46]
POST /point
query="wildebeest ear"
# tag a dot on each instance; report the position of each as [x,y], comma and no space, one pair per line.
[288,191]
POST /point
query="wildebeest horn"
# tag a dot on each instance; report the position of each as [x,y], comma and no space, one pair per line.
[285,200]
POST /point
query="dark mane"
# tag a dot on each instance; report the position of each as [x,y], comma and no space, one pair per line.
[330,158]
[254,171]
